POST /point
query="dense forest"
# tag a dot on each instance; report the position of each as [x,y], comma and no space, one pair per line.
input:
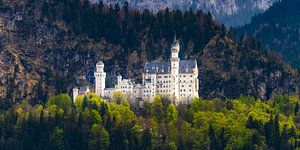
[119,25]
[93,123]
[278,29]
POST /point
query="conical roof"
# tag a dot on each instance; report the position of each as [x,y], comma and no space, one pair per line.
[100,63]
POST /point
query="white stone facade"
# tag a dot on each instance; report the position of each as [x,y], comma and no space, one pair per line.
[176,79]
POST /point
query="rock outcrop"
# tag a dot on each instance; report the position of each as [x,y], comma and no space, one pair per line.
[40,58]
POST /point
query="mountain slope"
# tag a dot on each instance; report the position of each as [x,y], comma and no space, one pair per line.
[278,29]
[48,48]
[229,12]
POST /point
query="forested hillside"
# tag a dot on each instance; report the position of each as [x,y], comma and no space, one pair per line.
[93,123]
[278,30]
[49,47]
[229,12]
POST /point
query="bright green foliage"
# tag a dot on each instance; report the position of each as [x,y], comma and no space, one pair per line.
[62,101]
[119,97]
[94,142]
[206,124]
[92,101]
[195,106]
[95,117]
[104,139]
[172,146]
[157,109]
[172,113]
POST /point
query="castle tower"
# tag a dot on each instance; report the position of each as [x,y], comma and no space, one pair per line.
[75,94]
[100,76]
[119,79]
[175,70]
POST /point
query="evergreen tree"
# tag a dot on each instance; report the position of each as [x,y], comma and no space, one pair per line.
[222,140]
[147,144]
[277,136]
[157,109]
[212,138]
[296,110]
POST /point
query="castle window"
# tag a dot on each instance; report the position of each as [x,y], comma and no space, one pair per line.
[183,75]
[191,76]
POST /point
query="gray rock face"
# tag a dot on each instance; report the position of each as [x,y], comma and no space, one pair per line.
[229,12]
[40,58]
[226,73]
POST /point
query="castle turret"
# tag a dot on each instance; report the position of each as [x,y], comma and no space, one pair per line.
[75,94]
[175,48]
[100,76]
[175,69]
[119,79]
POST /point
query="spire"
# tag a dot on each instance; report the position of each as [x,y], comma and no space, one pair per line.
[175,47]
[100,63]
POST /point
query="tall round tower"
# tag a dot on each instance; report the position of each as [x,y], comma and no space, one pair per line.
[75,93]
[100,76]
[175,69]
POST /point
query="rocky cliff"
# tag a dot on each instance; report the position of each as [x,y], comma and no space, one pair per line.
[42,56]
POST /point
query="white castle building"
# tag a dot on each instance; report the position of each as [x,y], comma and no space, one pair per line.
[176,79]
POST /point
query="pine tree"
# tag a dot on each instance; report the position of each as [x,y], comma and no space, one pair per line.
[222,140]
[147,144]
[296,110]
[277,136]
[212,138]
[269,132]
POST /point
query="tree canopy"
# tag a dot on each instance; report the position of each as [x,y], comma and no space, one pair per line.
[94,123]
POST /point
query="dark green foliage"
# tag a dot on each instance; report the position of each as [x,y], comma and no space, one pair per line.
[212,138]
[277,28]
[296,110]
[120,26]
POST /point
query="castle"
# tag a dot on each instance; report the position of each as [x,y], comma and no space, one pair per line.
[176,79]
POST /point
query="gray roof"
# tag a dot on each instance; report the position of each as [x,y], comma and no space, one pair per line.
[185,66]
[82,90]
